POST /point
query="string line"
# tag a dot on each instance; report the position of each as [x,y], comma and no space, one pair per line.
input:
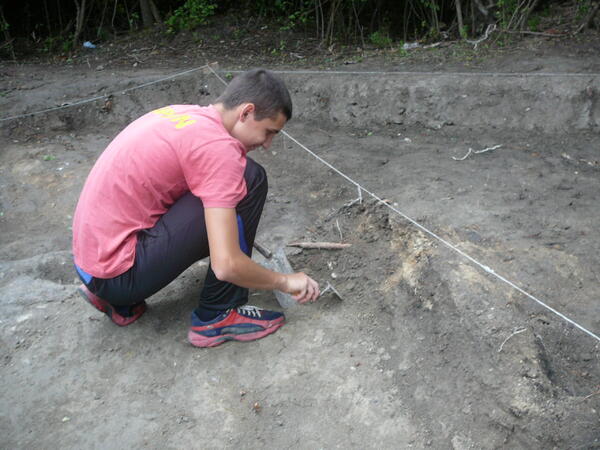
[99,97]
[443,241]
[458,74]
[432,234]
[346,177]
[317,72]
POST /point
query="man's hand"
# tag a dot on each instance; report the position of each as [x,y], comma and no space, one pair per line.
[230,264]
[302,287]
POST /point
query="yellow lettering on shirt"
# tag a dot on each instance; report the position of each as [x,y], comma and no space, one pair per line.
[182,120]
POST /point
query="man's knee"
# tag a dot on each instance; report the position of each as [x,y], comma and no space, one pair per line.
[256,176]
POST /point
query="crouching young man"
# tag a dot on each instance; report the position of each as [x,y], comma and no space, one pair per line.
[174,187]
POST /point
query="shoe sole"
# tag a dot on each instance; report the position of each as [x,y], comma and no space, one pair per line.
[197,340]
[108,310]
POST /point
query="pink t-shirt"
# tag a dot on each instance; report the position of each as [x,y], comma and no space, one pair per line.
[144,170]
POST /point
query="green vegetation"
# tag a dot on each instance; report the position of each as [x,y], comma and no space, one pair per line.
[62,25]
[190,15]
[62,44]
[380,39]
[515,14]
[583,8]
[534,23]
[4,25]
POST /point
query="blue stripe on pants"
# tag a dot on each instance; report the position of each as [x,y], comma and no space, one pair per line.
[242,235]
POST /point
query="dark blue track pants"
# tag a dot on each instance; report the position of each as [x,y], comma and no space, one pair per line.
[178,240]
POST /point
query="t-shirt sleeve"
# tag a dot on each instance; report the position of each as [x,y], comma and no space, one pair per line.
[214,172]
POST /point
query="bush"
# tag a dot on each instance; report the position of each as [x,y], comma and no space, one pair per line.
[380,39]
[190,15]
[63,44]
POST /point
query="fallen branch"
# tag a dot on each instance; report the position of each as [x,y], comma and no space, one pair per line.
[134,56]
[506,340]
[535,33]
[320,245]
[356,200]
[143,49]
[491,27]
[476,152]
[436,44]
[591,395]
[337,224]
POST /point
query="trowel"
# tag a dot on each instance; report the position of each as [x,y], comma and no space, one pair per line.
[277,262]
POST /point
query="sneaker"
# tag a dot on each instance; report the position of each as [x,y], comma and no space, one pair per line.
[245,323]
[120,315]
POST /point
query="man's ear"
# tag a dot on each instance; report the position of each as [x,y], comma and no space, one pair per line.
[247,109]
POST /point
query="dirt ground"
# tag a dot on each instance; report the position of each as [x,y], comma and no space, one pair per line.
[423,350]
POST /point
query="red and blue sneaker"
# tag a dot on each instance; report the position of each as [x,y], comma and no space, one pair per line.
[120,315]
[244,323]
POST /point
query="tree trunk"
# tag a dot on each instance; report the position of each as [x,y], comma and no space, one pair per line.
[526,13]
[155,12]
[461,30]
[358,25]
[102,20]
[147,20]
[483,10]
[375,17]
[78,21]
[320,20]
[60,22]
[329,34]
[7,38]
[112,21]
[47,19]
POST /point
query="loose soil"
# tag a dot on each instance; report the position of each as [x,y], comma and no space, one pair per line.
[421,349]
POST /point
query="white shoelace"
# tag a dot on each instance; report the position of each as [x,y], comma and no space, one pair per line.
[249,310]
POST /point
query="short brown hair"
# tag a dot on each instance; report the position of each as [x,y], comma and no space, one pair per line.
[261,87]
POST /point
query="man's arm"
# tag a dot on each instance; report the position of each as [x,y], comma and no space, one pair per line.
[231,264]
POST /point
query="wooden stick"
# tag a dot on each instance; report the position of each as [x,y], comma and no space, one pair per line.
[263,250]
[535,33]
[321,245]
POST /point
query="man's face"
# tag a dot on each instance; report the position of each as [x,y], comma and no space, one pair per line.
[255,133]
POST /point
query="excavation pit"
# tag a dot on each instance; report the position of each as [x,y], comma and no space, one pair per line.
[425,349]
